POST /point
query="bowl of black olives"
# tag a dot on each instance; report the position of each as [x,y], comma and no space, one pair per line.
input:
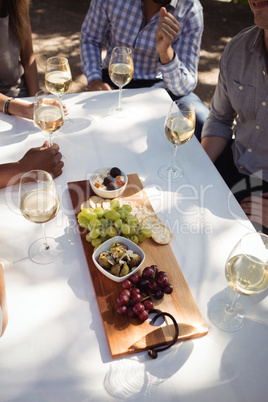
[108,182]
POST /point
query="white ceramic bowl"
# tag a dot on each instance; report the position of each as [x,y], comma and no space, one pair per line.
[103,192]
[106,247]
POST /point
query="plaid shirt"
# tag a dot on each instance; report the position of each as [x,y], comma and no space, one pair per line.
[123,23]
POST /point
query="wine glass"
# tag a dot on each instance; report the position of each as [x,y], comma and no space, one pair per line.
[58,77]
[246,271]
[39,203]
[179,129]
[121,72]
[48,112]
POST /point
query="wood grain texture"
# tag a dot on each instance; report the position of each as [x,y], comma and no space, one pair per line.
[127,336]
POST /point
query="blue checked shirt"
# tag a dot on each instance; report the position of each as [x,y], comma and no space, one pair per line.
[123,23]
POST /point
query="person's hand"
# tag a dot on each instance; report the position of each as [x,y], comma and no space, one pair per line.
[167,30]
[98,85]
[43,158]
[256,208]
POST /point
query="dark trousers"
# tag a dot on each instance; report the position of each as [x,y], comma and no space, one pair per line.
[241,185]
[201,109]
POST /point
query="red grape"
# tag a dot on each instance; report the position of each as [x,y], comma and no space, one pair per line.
[122,310]
[138,308]
[122,299]
[127,284]
[134,278]
[159,294]
[144,315]
[168,289]
[148,304]
[148,273]
[131,313]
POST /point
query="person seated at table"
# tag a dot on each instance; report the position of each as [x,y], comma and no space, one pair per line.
[3,303]
[235,133]
[165,37]
[18,70]
[44,158]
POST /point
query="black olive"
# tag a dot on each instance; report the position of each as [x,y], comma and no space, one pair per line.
[107,180]
[111,186]
[115,171]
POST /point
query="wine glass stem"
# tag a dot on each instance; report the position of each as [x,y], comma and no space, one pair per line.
[46,246]
[120,98]
[173,158]
[50,139]
[230,308]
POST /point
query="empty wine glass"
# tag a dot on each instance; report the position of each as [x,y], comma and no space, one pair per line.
[39,203]
[121,72]
[48,112]
[246,271]
[179,129]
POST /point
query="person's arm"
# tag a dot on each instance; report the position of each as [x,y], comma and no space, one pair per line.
[93,34]
[17,107]
[3,303]
[44,158]
[29,64]
[214,146]
[180,73]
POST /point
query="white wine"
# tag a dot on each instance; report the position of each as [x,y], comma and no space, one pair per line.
[39,206]
[179,130]
[49,118]
[58,82]
[247,275]
[121,74]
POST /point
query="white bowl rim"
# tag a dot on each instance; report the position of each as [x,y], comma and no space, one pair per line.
[106,246]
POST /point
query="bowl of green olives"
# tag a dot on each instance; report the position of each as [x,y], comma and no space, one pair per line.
[118,258]
[108,182]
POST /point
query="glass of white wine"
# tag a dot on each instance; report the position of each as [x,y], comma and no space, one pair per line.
[246,271]
[58,77]
[179,129]
[39,203]
[48,112]
[121,70]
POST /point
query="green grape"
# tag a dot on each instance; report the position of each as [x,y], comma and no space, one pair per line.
[82,220]
[132,230]
[94,223]
[141,238]
[146,232]
[104,222]
[96,242]
[122,213]
[118,223]
[111,231]
[114,215]
[94,233]
[125,229]
[132,220]
[115,204]
[88,213]
[88,238]
[103,232]
[126,207]
[134,238]
[99,211]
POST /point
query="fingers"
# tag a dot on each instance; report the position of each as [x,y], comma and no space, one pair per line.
[169,26]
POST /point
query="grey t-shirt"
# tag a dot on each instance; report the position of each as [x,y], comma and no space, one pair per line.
[12,81]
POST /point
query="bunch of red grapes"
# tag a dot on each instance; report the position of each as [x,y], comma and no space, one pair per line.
[135,300]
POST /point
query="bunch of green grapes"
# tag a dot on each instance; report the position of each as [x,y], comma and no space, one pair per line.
[102,224]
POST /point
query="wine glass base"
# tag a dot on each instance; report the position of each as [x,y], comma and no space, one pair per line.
[45,255]
[120,112]
[227,320]
[169,173]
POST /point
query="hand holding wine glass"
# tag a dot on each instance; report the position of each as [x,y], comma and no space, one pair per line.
[246,271]
[48,113]
[179,129]
[121,72]
[39,203]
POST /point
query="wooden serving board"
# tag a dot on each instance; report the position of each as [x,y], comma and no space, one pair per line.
[127,336]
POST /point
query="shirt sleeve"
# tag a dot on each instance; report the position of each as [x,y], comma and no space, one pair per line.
[180,75]
[92,38]
[222,114]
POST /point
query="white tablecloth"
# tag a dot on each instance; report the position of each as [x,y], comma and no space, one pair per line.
[55,348]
